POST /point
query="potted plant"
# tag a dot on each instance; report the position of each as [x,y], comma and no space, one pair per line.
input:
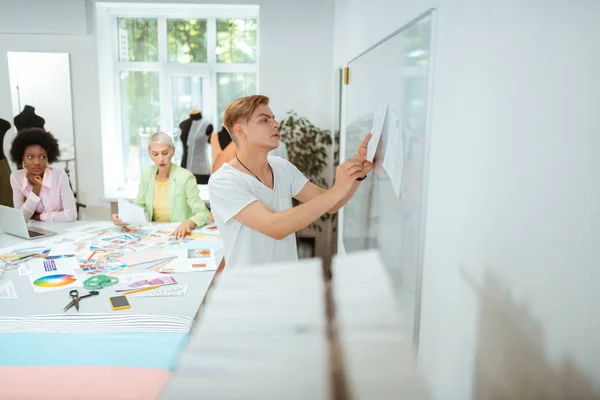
[309,150]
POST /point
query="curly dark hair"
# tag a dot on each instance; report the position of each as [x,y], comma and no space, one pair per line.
[32,136]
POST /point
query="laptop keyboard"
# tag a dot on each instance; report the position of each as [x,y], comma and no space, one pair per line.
[34,234]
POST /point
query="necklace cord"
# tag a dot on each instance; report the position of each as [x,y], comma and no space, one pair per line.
[248,169]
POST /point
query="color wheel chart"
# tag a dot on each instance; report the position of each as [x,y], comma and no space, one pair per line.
[52,281]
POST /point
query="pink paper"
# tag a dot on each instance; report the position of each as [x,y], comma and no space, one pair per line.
[81,383]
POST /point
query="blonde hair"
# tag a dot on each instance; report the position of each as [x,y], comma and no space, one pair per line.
[160,138]
[241,110]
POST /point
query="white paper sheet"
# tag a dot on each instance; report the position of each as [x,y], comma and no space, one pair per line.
[210,229]
[54,274]
[177,252]
[142,280]
[62,249]
[145,256]
[376,130]
[42,266]
[166,291]
[56,281]
[393,162]
[131,214]
[196,260]
[190,265]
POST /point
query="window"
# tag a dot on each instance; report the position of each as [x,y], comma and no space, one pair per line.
[186,41]
[165,61]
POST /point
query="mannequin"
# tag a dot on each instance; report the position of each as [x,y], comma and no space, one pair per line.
[5,188]
[195,136]
[223,149]
[28,119]
[195,115]
[4,127]
[224,138]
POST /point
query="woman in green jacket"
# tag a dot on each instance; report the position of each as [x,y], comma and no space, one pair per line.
[169,193]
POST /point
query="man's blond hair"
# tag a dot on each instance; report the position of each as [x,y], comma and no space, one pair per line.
[241,110]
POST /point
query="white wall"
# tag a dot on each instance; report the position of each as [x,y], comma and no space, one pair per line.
[295,47]
[295,67]
[44,81]
[26,17]
[84,83]
[511,282]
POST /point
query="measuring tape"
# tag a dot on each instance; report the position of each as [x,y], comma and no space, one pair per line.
[97,282]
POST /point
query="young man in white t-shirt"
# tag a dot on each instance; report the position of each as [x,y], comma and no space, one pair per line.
[251,197]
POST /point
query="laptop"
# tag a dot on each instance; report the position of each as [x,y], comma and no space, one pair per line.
[12,221]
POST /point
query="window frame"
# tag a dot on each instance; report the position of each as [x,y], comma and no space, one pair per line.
[108,53]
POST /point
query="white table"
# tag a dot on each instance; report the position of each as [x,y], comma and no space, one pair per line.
[263,335]
[31,303]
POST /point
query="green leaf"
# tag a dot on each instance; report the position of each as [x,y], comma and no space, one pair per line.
[309,149]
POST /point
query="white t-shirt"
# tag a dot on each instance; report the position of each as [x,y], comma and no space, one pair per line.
[231,191]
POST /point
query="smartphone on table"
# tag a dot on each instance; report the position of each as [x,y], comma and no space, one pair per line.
[119,302]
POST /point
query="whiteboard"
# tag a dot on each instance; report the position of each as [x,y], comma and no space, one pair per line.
[395,73]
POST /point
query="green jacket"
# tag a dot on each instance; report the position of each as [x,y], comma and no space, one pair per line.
[184,197]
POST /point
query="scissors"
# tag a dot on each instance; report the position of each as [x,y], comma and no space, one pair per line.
[75,298]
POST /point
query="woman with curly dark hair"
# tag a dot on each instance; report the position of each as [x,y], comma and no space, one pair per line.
[41,191]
